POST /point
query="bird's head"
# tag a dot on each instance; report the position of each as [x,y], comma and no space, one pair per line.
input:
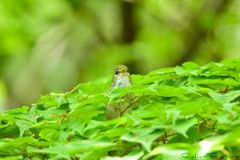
[119,69]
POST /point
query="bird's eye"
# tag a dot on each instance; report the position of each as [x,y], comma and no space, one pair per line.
[116,72]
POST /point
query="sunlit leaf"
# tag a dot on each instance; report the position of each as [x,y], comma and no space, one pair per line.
[23,125]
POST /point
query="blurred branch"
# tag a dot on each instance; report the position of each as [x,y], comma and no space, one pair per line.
[130,1]
[128,31]
[194,37]
[192,32]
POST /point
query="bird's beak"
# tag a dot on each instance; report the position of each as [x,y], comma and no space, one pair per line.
[123,71]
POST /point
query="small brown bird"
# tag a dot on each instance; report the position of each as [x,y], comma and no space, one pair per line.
[121,79]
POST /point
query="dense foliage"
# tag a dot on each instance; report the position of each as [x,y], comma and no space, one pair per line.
[186,112]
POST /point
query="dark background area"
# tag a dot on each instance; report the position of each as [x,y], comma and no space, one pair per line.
[51,45]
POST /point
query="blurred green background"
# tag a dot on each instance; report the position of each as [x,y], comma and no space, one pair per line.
[51,45]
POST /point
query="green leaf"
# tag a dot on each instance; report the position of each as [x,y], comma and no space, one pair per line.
[80,146]
[173,114]
[146,139]
[224,118]
[86,112]
[64,134]
[90,88]
[114,133]
[173,151]
[116,122]
[194,135]
[12,158]
[168,91]
[17,110]
[154,86]
[136,78]
[131,156]
[16,142]
[228,81]
[92,124]
[49,134]
[75,126]
[45,99]
[189,108]
[224,98]
[9,131]
[190,65]
[189,68]
[151,79]
[161,71]
[204,90]
[23,125]
[133,120]
[182,126]
[229,107]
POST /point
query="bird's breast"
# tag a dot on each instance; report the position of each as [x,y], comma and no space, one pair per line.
[123,82]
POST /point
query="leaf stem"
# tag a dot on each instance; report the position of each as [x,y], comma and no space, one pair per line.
[146,98]
[84,99]
[121,113]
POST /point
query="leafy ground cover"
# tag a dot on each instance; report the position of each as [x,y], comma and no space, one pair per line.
[186,112]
